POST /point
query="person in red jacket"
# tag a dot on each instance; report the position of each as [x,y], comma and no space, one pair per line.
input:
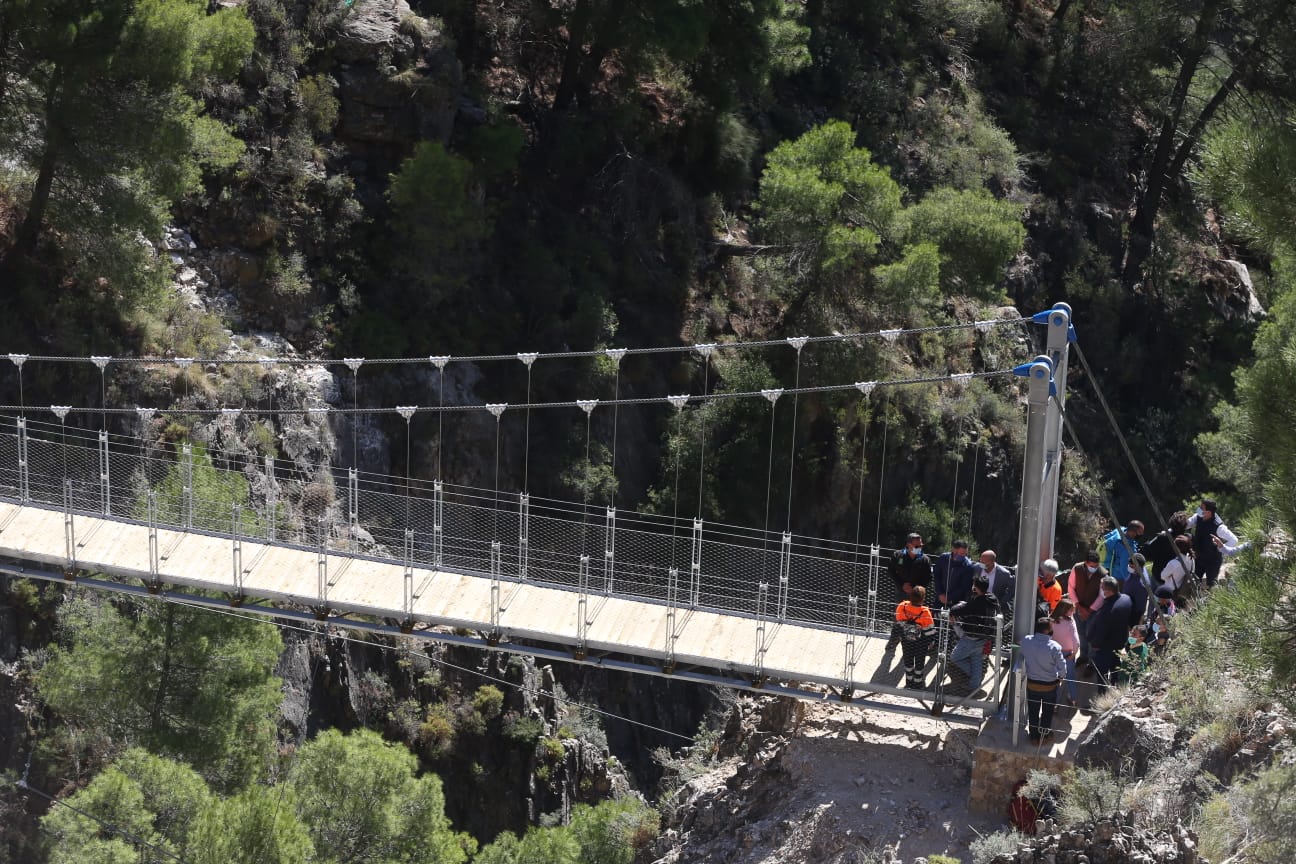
[917,627]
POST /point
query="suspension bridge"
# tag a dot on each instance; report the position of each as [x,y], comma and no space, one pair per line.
[737,606]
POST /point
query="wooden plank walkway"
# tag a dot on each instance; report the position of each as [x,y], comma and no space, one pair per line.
[726,643]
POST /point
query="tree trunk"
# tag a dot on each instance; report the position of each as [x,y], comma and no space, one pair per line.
[577,27]
[29,231]
[1142,227]
[1059,14]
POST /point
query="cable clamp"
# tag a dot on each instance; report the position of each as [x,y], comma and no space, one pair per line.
[496,408]
[528,358]
[145,414]
[678,402]
[772,395]
[615,353]
[798,342]
[353,363]
[18,359]
[587,405]
[865,387]
[100,361]
[984,326]
[269,363]
[317,409]
[406,411]
[231,412]
[61,411]
[439,360]
[706,349]
[183,362]
[890,335]
[961,378]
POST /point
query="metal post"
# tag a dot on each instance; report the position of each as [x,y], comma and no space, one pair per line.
[236,543]
[353,494]
[495,564]
[762,607]
[672,581]
[69,529]
[695,568]
[272,494]
[582,606]
[186,458]
[852,624]
[24,479]
[409,573]
[1060,332]
[105,490]
[785,573]
[322,563]
[997,654]
[1039,374]
[438,515]
[870,613]
[154,564]
[609,550]
[524,520]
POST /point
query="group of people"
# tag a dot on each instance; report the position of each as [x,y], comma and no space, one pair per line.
[1105,617]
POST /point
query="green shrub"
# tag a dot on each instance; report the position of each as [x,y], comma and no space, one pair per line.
[991,846]
[488,701]
[437,734]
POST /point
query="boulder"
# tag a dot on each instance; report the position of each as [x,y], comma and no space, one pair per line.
[1120,738]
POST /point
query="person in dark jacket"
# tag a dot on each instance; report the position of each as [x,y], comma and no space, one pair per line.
[1002,582]
[1203,526]
[1138,587]
[1160,550]
[1109,629]
[952,576]
[909,567]
[976,616]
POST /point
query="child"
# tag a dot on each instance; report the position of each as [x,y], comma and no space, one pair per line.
[1067,634]
[1136,654]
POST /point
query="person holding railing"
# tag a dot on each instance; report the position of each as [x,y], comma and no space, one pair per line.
[977,618]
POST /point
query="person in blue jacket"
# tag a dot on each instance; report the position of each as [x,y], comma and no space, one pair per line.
[1138,587]
[1118,545]
[952,576]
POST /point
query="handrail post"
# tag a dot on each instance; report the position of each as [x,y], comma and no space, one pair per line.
[155,581]
[69,532]
[105,488]
[236,549]
[409,574]
[848,671]
[582,607]
[493,638]
[672,586]
[762,608]
[272,495]
[438,523]
[695,567]
[785,574]
[187,466]
[874,569]
[353,505]
[609,551]
[24,477]
[524,532]
[322,567]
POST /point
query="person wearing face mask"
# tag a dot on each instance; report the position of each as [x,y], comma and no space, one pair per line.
[1083,590]
[1138,585]
[952,576]
[909,567]
[1048,588]
[1003,584]
[1204,527]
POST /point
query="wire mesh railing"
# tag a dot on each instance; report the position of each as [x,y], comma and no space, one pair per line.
[681,562]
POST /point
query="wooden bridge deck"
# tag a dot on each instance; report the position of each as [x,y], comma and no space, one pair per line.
[726,643]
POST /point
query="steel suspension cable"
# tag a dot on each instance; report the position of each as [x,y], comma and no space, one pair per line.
[886,425]
[772,396]
[526,456]
[706,375]
[1120,436]
[859,502]
[616,408]
[889,335]
[798,344]
[679,446]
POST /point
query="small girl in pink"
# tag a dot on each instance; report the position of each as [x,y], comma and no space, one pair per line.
[1066,634]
